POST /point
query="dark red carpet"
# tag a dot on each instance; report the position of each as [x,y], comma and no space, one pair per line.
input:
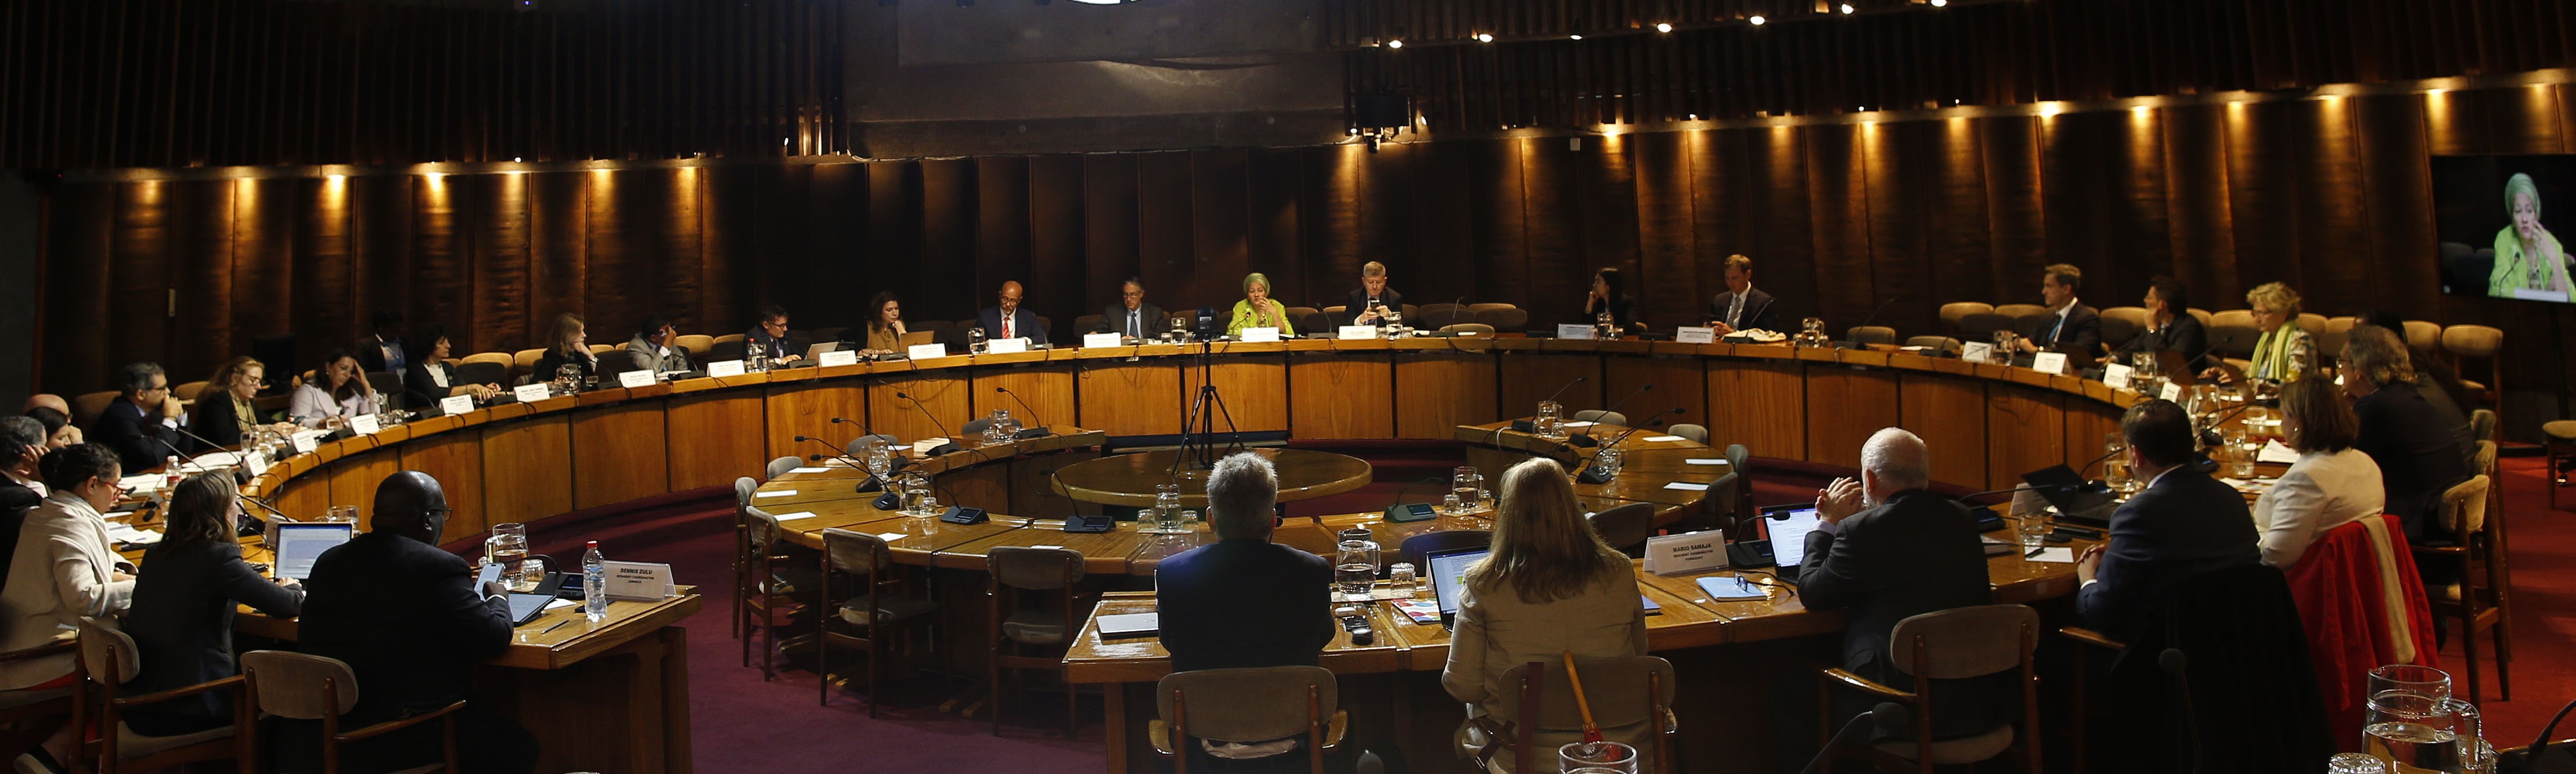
[745,724]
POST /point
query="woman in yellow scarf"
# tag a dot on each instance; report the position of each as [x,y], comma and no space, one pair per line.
[2529,264]
[2276,314]
[1258,309]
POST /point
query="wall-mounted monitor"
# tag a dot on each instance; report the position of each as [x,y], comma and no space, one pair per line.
[2499,220]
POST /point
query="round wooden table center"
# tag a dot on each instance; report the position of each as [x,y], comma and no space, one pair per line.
[1129,479]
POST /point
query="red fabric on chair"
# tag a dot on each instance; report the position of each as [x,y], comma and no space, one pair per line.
[2363,607]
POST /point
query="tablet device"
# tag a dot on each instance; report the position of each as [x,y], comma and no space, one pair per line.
[526,607]
[299,543]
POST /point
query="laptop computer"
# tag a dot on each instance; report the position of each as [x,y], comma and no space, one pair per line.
[815,353]
[1449,577]
[1789,535]
[298,543]
[2076,499]
[916,338]
[525,607]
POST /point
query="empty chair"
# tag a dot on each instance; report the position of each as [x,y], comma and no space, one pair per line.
[1957,311]
[526,359]
[1473,329]
[2560,451]
[1955,644]
[1246,706]
[876,604]
[858,447]
[2202,315]
[2424,336]
[779,576]
[724,350]
[2482,342]
[1088,323]
[110,658]
[1415,548]
[1982,326]
[2312,322]
[2232,333]
[1941,345]
[388,387]
[975,427]
[187,393]
[2122,323]
[599,348]
[2476,598]
[302,687]
[1436,316]
[487,371]
[1626,527]
[1696,433]
[783,465]
[1630,699]
[1601,416]
[2330,341]
[1872,334]
[1311,320]
[2018,311]
[835,333]
[1507,318]
[696,344]
[614,362]
[1489,307]
[1027,637]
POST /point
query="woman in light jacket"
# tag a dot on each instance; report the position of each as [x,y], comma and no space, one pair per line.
[1550,586]
[337,392]
[2332,483]
[64,569]
[1258,309]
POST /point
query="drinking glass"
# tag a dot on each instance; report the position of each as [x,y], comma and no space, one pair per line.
[1180,329]
[2355,763]
[975,340]
[1464,482]
[508,547]
[1451,504]
[1355,567]
[1550,415]
[1607,461]
[1602,756]
[2003,347]
[2240,450]
[1400,579]
[2033,531]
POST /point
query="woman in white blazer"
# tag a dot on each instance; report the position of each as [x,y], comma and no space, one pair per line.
[2331,484]
[64,568]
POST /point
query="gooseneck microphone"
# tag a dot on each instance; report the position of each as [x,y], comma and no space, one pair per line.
[1040,431]
[944,448]
[1854,341]
[1594,474]
[1585,438]
[1525,426]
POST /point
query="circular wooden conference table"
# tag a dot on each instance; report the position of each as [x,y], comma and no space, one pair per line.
[526,462]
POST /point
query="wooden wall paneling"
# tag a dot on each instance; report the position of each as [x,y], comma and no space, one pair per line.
[2088,428]
[74,358]
[892,236]
[136,314]
[1442,267]
[456,460]
[728,255]
[679,268]
[1435,393]
[1721,209]
[2017,225]
[226,222]
[1838,199]
[1498,214]
[985,486]
[2078,167]
[1047,388]
[439,283]
[1948,413]
[1761,404]
[620,453]
[306,498]
[1559,273]
[1055,244]
[2333,220]
[527,470]
[943,395]
[1273,191]
[1670,269]
[2261,159]
[948,286]
[2397,187]
[1218,211]
[1530,377]
[1901,163]
[1122,398]
[714,439]
[1679,382]
[2201,214]
[354,479]
[1342,396]
[1782,229]
[1335,212]
[1387,199]
[1605,189]
[1164,242]
[2139,231]
[1955,211]
[1850,404]
[1002,237]
[1254,387]
[2026,432]
[558,255]
[807,408]
[1110,252]
[502,270]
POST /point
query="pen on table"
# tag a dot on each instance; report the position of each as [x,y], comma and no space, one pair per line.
[558,625]
[2034,553]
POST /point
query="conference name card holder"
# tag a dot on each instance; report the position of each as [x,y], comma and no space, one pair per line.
[364,424]
[1357,332]
[1099,340]
[1687,553]
[838,357]
[1006,346]
[455,404]
[256,462]
[640,581]
[2049,363]
[1977,352]
[1260,335]
[2116,375]
[305,441]
[644,378]
[926,351]
[2172,392]
[1690,335]
[532,392]
[1573,331]
[724,368]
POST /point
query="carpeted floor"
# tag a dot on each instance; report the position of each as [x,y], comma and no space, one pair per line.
[742,723]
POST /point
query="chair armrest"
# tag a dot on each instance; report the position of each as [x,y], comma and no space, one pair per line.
[2090,637]
[1863,684]
[47,649]
[190,690]
[2439,550]
[398,724]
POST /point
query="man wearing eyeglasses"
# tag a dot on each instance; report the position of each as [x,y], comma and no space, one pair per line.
[770,336]
[143,424]
[1131,317]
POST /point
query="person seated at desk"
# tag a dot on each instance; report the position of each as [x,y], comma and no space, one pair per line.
[2182,524]
[408,619]
[338,391]
[1006,320]
[63,569]
[56,414]
[568,346]
[885,324]
[1549,587]
[2277,354]
[22,444]
[1131,317]
[1369,304]
[653,348]
[431,381]
[769,336]
[1609,302]
[2170,328]
[225,415]
[382,350]
[1258,309]
[142,424]
[2331,484]
[1741,308]
[2400,430]
[2438,383]
[1244,601]
[184,596]
[1886,549]
[2075,329]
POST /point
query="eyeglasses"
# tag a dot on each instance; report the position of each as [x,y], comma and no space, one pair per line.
[440,512]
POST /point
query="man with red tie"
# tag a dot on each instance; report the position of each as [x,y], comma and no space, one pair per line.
[1009,321]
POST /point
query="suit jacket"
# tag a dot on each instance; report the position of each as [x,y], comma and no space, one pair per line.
[406,617]
[1244,603]
[2184,335]
[1023,322]
[423,388]
[551,361]
[216,419]
[182,621]
[2080,337]
[125,428]
[2184,524]
[1623,311]
[58,574]
[1759,311]
[2417,458]
[759,338]
[1916,553]
[16,500]
[372,355]
[1358,302]
[1113,319]
[658,358]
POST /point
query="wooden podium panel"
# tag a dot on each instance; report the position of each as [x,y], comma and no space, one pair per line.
[354,479]
[1847,406]
[304,497]
[1254,388]
[1048,390]
[2027,429]
[1528,377]
[456,460]
[1122,398]
[943,394]
[1033,490]
[1948,412]
[1435,393]
[1761,404]
[619,453]
[1342,396]
[527,469]
[808,409]
[714,439]
[2088,425]
[1679,382]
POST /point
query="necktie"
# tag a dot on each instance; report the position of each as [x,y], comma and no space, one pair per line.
[1006,327]
[1133,331]
[1735,311]
[2061,325]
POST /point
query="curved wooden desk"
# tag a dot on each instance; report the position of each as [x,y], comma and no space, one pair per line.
[1129,479]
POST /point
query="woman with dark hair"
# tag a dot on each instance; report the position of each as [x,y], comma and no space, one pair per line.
[337,392]
[885,324]
[2332,483]
[184,597]
[428,379]
[1610,298]
[63,570]
[59,430]
[2417,456]
[569,346]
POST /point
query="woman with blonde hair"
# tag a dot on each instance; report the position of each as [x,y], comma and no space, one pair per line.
[1550,587]
[2276,314]
[568,346]
[2332,483]
[1258,309]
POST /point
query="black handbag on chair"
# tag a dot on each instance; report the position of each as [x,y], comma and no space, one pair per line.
[2541,757]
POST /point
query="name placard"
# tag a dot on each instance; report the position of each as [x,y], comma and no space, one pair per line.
[453,405]
[838,357]
[1686,553]
[1258,335]
[1097,340]
[925,351]
[1977,352]
[1006,346]
[2171,392]
[533,392]
[1350,332]
[2049,362]
[364,424]
[304,443]
[2116,375]
[1573,331]
[723,368]
[257,462]
[639,581]
[642,378]
[1690,335]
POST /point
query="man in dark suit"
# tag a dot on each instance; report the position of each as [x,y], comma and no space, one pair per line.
[142,424]
[1007,320]
[2170,327]
[2075,329]
[1244,601]
[1887,549]
[1131,316]
[1368,305]
[769,336]
[410,622]
[22,442]
[1741,308]
[2184,523]
[382,350]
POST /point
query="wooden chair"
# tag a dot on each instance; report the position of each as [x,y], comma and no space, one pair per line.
[1312,320]
[838,333]
[779,581]
[1476,328]
[1939,345]
[187,393]
[1954,644]
[601,349]
[1506,318]
[614,362]
[1490,307]
[1437,316]
[88,405]
[1872,334]
[1088,323]
[1626,527]
[110,658]
[2232,333]
[2200,314]
[1247,705]
[696,344]
[1031,638]
[2424,336]
[783,465]
[2021,312]
[2480,597]
[1955,312]
[864,618]
[1602,416]
[741,535]
[2481,342]
[1698,434]
[2560,450]
[1981,326]
[2357,615]
[1631,699]
[524,362]
[858,447]
[481,371]
[1415,549]
[19,707]
[302,687]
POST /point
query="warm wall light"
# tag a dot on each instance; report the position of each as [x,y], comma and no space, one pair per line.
[1758,21]
[1663,26]
[1575,37]
[1395,44]
[1940,3]
[1484,37]
[1847,9]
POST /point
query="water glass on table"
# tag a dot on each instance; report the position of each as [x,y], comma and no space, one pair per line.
[2033,531]
[1596,758]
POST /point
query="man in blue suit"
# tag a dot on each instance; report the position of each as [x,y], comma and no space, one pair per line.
[2184,523]
[1009,321]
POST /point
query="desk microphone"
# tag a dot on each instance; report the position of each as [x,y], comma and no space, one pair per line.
[1593,474]
[864,429]
[944,448]
[1026,433]
[1524,425]
[1585,438]
[1889,716]
[1853,342]
[869,485]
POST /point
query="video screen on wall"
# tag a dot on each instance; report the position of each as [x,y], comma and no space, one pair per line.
[2498,219]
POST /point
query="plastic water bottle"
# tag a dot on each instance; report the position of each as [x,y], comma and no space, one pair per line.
[594,584]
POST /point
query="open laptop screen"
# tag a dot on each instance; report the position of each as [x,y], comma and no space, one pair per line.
[1789,536]
[1449,575]
[299,543]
